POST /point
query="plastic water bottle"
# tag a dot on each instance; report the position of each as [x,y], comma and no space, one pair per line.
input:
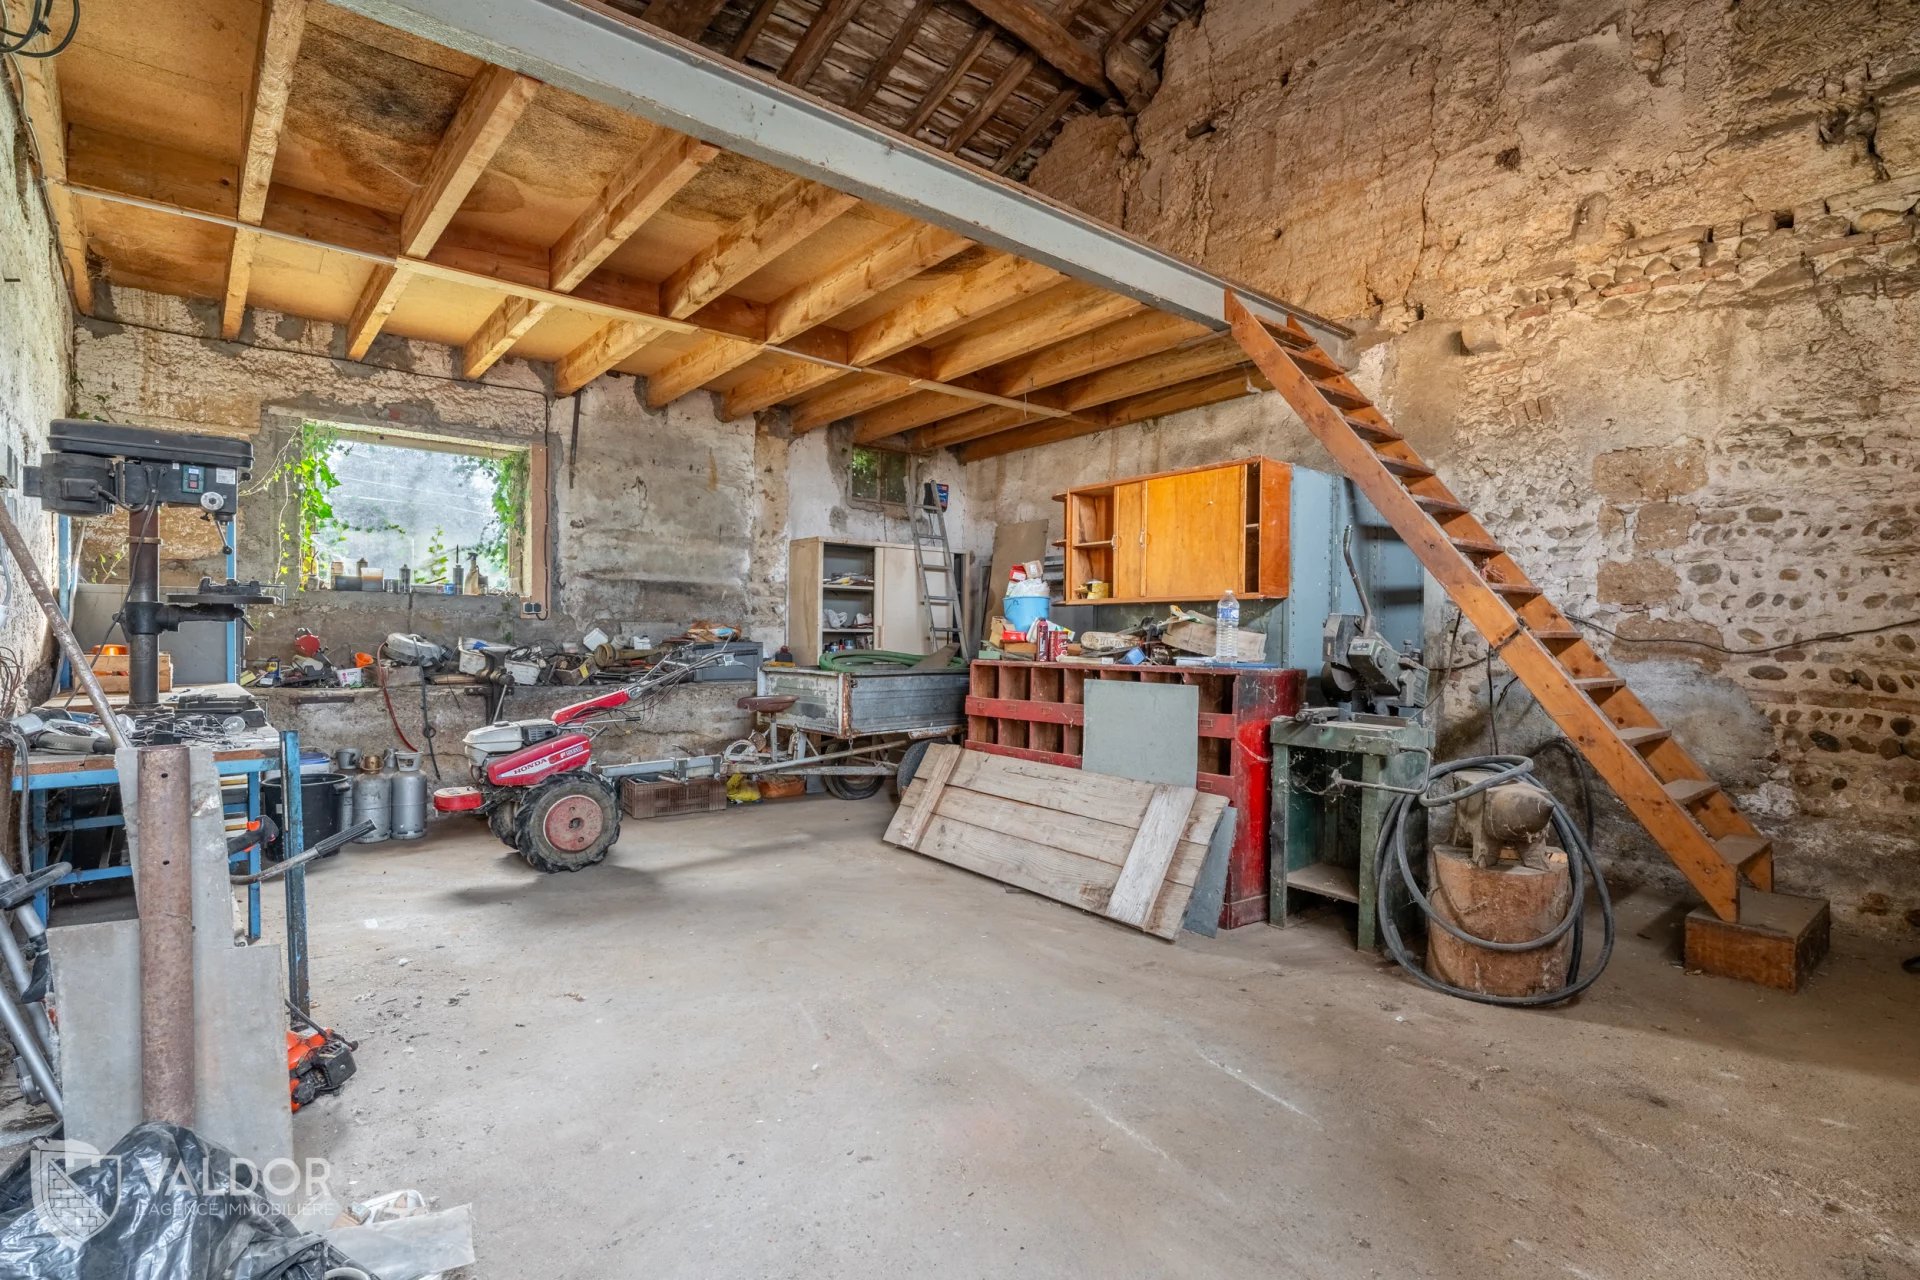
[1226,629]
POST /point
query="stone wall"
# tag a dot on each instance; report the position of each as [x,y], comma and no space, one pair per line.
[35,337]
[659,517]
[1639,280]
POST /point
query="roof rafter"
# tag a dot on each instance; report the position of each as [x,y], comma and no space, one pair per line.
[685,18]
[889,57]
[492,106]
[1153,404]
[1048,37]
[281,28]
[811,49]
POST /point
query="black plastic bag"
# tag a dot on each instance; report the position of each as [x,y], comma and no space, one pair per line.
[164,1204]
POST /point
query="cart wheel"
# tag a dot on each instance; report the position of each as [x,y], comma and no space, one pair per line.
[567,824]
[909,766]
[500,821]
[851,786]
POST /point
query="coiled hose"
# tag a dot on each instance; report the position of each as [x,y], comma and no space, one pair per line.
[1392,867]
[858,660]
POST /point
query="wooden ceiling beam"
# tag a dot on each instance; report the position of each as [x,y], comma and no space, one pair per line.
[899,255]
[793,213]
[844,399]
[877,74]
[1010,79]
[947,83]
[1134,338]
[633,195]
[999,282]
[811,49]
[743,43]
[1204,359]
[1048,37]
[611,344]
[46,125]
[687,19]
[1043,120]
[493,104]
[1065,311]
[1155,404]
[281,27]
[896,257]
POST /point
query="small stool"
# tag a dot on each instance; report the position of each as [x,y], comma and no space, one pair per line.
[771,705]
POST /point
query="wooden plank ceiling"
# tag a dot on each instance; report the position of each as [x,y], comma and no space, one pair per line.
[990,81]
[288,155]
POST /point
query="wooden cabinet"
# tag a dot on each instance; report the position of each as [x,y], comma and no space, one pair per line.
[874,588]
[1181,535]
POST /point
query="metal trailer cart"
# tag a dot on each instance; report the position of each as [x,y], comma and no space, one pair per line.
[853,730]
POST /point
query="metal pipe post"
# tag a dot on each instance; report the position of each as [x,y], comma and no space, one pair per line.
[136,614]
[293,838]
[57,623]
[164,888]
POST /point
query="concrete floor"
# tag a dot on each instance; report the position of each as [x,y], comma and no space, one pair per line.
[762,1043]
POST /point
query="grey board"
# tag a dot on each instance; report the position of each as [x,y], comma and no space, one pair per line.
[1210,886]
[1148,732]
[240,1091]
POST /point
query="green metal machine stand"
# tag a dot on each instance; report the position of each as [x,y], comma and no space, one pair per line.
[1323,832]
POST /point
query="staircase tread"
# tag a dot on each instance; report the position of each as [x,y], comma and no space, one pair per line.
[1515,588]
[1372,430]
[1599,682]
[1638,735]
[1401,467]
[1447,505]
[1684,790]
[1741,850]
[1476,544]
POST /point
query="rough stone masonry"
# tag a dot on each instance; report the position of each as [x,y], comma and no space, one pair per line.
[1638,278]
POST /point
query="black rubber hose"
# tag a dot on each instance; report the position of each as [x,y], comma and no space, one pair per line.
[1392,865]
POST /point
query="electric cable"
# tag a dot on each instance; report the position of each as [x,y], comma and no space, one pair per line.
[39,23]
[1392,868]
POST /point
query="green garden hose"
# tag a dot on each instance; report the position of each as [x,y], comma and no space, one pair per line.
[855,661]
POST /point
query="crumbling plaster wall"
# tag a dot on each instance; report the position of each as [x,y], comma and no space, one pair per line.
[1640,280]
[36,341]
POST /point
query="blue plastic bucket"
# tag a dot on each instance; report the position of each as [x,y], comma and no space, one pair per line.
[1022,612]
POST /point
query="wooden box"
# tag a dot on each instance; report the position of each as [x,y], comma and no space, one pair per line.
[1181,535]
[1777,942]
[111,668]
[664,799]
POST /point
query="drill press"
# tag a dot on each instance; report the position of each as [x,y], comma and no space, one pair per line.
[90,468]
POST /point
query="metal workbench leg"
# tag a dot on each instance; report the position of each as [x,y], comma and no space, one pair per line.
[292,842]
[38,848]
[253,859]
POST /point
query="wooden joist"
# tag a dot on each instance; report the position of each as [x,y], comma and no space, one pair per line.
[632,196]
[1131,851]
[1048,37]
[956,72]
[605,349]
[1062,312]
[492,106]
[1196,394]
[889,57]
[811,49]
[999,282]
[782,221]
[281,27]
[1043,120]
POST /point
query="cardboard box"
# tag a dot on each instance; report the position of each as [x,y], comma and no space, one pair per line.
[112,670]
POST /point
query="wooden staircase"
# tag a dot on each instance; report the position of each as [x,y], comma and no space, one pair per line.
[1685,812]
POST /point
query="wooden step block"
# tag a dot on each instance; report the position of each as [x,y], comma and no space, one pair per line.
[1516,590]
[1642,738]
[1374,431]
[1560,635]
[1743,851]
[1591,685]
[1316,362]
[1399,467]
[1439,506]
[1688,790]
[1289,338]
[1777,942]
[1340,395]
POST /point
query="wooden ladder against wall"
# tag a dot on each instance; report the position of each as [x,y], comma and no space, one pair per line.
[1685,812]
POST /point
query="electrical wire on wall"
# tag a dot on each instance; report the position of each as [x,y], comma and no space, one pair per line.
[40,27]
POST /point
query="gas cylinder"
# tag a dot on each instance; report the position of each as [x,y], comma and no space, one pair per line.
[372,800]
[409,797]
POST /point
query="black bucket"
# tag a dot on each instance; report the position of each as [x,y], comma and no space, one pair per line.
[321,812]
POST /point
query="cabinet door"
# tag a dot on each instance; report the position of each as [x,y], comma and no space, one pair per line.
[1196,534]
[1129,541]
[899,624]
